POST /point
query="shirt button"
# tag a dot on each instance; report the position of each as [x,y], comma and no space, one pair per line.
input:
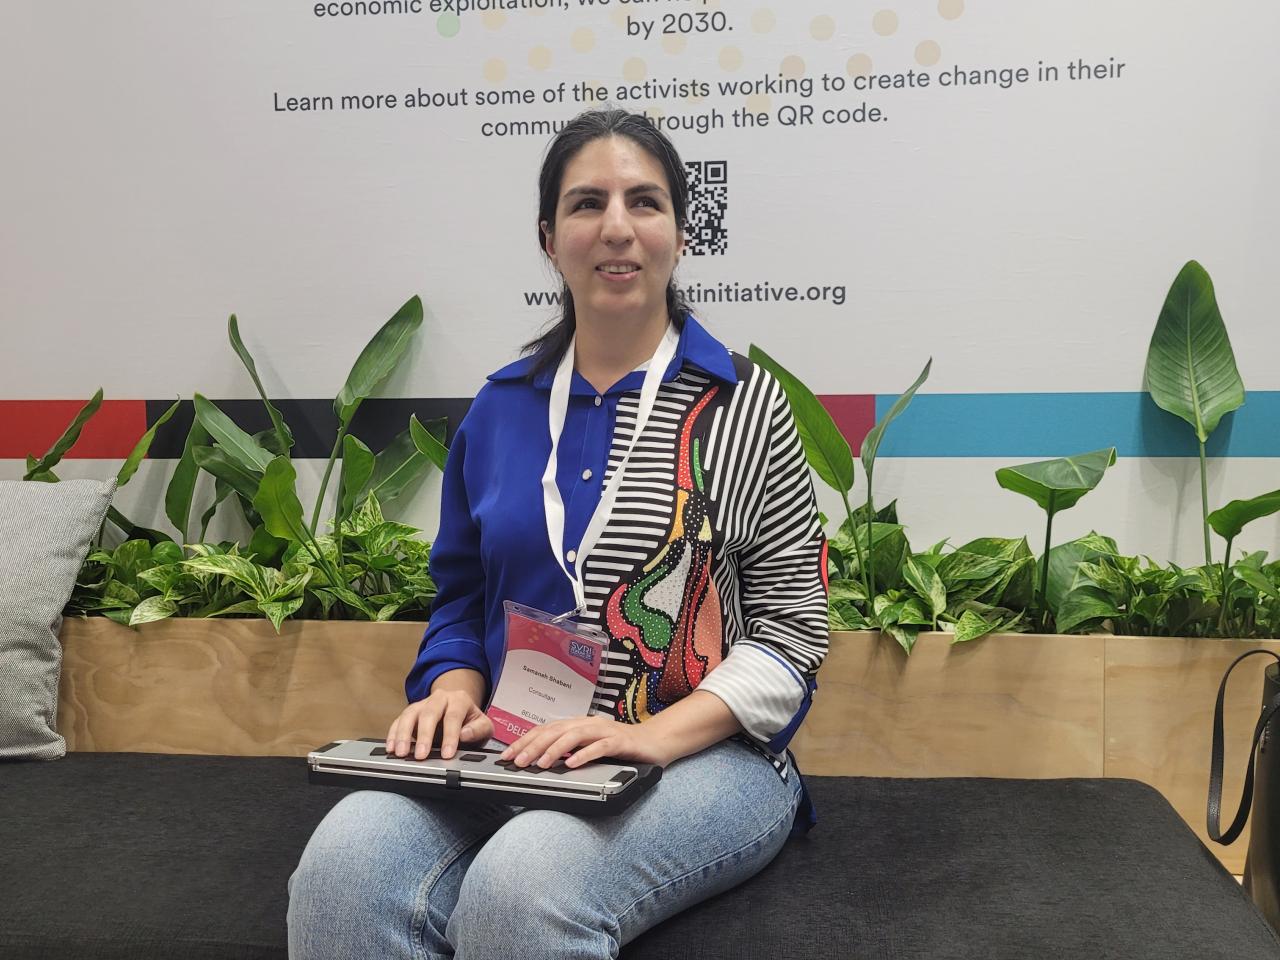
[586,474]
[598,401]
[571,556]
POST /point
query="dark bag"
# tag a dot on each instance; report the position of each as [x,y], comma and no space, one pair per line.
[1261,865]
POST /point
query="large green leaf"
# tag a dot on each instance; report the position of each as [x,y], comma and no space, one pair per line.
[971,626]
[1084,604]
[246,574]
[1058,484]
[277,501]
[265,548]
[963,566]
[1191,369]
[277,610]
[1065,560]
[277,422]
[221,490]
[888,552]
[887,514]
[378,359]
[214,460]
[427,443]
[399,465]
[357,467]
[1228,521]
[921,578]
[871,443]
[237,444]
[152,609]
[66,441]
[182,485]
[1256,579]
[824,446]
[140,449]
[906,636]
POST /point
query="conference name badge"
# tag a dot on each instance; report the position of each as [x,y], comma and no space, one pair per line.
[549,671]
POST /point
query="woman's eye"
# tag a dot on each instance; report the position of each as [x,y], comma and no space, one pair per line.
[650,200]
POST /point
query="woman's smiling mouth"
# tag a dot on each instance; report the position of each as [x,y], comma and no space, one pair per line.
[618,271]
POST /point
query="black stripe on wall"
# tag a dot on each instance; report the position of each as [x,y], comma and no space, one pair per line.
[313,422]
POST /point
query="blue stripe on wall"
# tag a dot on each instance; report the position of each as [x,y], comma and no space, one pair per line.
[1044,425]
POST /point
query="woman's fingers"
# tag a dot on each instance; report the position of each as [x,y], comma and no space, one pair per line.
[544,740]
[565,743]
[451,728]
[402,729]
[419,721]
[592,751]
[477,727]
[427,721]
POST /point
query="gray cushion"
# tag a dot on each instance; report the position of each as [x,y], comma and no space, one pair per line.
[46,530]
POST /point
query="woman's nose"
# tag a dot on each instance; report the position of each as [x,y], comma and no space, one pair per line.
[616,225]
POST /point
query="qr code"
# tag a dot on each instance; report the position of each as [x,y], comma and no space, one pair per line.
[705,233]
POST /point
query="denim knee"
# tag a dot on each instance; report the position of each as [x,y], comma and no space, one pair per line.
[514,903]
[340,901]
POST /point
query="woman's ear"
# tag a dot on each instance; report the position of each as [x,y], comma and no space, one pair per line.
[548,241]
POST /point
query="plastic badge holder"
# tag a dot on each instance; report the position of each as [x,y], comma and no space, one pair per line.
[549,669]
[601,788]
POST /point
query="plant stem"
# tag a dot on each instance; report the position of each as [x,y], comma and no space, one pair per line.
[334,574]
[1222,614]
[871,552]
[1204,505]
[337,513]
[862,564]
[324,484]
[1044,567]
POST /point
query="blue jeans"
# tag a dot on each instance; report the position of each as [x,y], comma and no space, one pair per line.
[391,876]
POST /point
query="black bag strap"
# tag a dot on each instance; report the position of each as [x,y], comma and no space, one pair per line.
[1215,760]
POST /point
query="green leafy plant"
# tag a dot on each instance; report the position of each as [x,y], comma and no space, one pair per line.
[384,576]
[1227,522]
[1104,590]
[41,469]
[1056,485]
[289,567]
[879,544]
[1191,369]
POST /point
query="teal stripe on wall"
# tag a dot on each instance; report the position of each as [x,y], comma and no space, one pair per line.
[1042,425]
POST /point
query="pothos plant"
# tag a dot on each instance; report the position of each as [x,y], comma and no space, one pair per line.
[365,568]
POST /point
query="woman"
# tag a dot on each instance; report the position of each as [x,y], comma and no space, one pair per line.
[708,575]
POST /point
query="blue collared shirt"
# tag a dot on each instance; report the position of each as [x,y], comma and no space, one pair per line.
[492,544]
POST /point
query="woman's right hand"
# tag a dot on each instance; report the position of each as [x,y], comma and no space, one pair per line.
[454,711]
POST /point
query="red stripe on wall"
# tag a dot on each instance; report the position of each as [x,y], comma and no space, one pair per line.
[33,426]
[853,413]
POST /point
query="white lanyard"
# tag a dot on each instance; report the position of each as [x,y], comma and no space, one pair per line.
[552,502]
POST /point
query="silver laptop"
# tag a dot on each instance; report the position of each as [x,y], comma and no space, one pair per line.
[601,787]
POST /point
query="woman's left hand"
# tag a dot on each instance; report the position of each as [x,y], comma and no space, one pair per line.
[586,738]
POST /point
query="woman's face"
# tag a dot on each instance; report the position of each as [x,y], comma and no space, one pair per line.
[615,211]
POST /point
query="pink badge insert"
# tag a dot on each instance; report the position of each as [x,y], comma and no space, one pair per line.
[549,672]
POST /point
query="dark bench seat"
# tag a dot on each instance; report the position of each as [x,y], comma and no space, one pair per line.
[133,856]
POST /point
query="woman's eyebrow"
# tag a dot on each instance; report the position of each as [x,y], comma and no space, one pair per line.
[599,192]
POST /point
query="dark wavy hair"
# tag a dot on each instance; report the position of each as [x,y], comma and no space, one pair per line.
[591,125]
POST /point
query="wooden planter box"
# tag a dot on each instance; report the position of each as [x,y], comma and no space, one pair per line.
[1008,705]
[230,687]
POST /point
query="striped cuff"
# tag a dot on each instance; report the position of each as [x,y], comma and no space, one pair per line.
[765,693]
